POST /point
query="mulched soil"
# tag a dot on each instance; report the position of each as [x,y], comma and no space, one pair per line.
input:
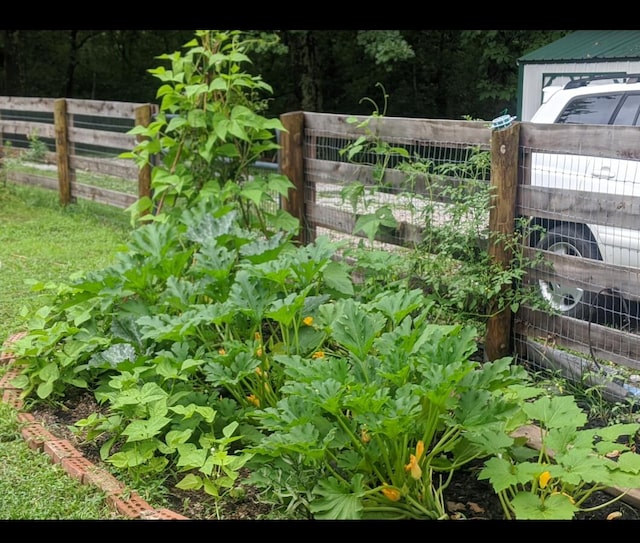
[466,497]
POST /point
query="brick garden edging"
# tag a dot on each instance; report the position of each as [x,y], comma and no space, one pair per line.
[61,451]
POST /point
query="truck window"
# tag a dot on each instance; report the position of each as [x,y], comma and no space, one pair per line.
[594,109]
[628,113]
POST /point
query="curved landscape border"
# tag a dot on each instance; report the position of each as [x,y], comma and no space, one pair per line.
[61,451]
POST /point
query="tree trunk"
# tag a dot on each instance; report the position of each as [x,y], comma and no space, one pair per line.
[11,85]
[303,55]
[72,63]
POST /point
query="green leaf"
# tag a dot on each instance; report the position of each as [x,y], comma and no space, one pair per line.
[207,413]
[556,412]
[133,456]
[21,381]
[397,305]
[356,330]
[190,456]
[279,184]
[175,123]
[338,278]
[368,225]
[384,214]
[229,429]
[528,506]
[242,366]
[337,502]
[284,311]
[139,430]
[262,250]
[49,372]
[175,438]
[197,119]
[147,394]
[44,389]
[283,220]
[248,296]
[190,481]
[113,356]
[207,228]
[580,466]
[303,439]
[614,431]
[629,462]
[237,130]
[500,473]
[211,488]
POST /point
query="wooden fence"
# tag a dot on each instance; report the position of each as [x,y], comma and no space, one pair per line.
[310,157]
[61,124]
[530,334]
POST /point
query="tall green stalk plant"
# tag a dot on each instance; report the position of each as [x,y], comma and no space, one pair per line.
[209,132]
[138,331]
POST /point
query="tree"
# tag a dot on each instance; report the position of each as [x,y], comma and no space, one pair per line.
[496,69]
[426,73]
[9,55]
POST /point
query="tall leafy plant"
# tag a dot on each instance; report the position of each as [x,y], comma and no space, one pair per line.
[209,132]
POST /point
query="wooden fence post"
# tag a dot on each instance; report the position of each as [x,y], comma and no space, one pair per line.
[143,118]
[291,163]
[62,150]
[504,182]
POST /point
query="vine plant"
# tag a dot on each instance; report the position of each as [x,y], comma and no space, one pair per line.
[449,256]
[209,132]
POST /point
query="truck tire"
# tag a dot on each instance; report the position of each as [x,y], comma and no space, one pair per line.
[569,239]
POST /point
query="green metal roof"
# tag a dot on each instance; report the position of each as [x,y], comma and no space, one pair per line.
[589,46]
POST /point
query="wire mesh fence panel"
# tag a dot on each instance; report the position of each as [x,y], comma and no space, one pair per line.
[385,193]
[583,237]
[94,135]
[397,188]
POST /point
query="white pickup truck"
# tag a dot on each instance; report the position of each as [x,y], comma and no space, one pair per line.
[595,100]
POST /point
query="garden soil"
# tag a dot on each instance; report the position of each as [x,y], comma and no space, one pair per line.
[467,498]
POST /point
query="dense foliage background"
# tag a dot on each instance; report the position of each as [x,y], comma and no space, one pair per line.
[446,74]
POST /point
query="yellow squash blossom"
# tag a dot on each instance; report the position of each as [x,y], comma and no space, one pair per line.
[412,466]
[222,351]
[544,479]
[254,400]
[419,449]
[318,354]
[308,321]
[391,493]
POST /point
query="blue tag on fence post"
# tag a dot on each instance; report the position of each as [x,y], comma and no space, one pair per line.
[502,122]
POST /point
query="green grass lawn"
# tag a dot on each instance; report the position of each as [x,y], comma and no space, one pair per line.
[43,241]
[32,488]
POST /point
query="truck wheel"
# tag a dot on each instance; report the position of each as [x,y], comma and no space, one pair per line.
[568,300]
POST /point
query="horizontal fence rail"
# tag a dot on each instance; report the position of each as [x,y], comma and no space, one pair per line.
[80,139]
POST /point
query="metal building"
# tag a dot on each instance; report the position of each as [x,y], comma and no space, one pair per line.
[581,53]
